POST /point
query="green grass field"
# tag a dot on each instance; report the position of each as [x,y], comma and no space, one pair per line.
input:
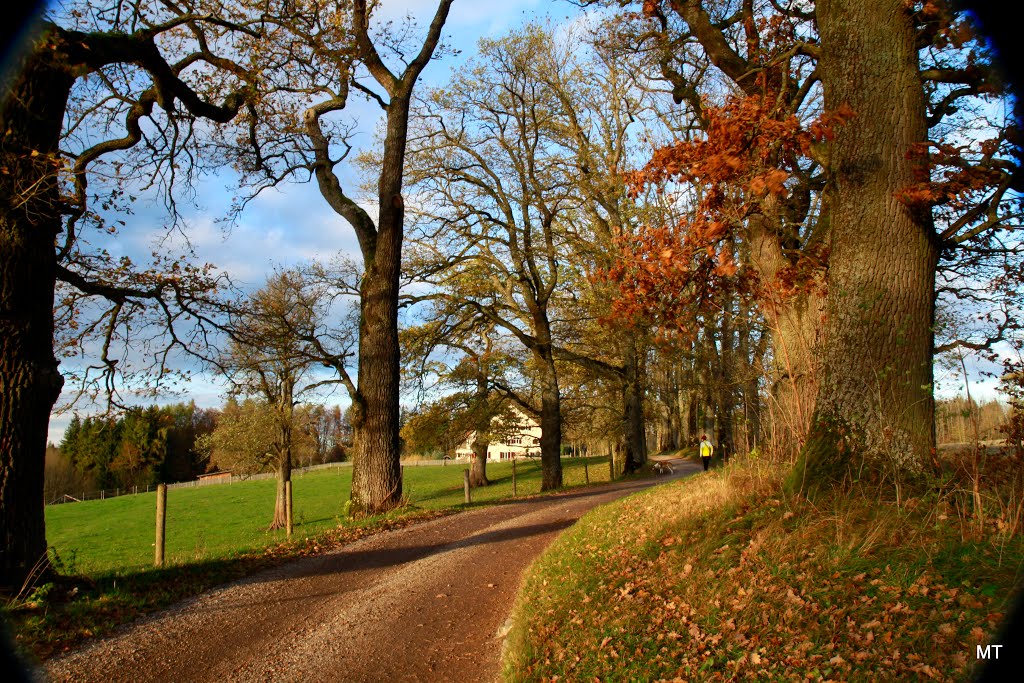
[115,536]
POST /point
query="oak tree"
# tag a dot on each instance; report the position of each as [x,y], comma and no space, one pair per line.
[891,77]
[495,181]
[275,338]
[94,85]
[333,52]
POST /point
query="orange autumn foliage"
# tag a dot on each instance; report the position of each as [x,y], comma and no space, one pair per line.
[668,274]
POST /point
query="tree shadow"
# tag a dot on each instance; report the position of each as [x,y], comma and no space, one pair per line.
[354,561]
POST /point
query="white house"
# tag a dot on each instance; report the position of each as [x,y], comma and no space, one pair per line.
[520,442]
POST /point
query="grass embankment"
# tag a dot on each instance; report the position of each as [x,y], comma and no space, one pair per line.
[218,533]
[721,577]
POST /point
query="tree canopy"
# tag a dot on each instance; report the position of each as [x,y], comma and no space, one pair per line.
[757,220]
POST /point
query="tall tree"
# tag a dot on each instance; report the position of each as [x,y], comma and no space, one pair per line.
[91,84]
[691,46]
[275,339]
[601,112]
[868,170]
[298,130]
[876,389]
[495,176]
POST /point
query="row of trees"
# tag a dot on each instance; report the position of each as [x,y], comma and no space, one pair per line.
[746,209]
[142,446]
[836,202]
[167,444]
[848,177]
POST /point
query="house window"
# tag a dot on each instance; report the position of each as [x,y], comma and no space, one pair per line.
[515,440]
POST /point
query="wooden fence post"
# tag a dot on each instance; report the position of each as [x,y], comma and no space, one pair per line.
[161,523]
[586,472]
[465,485]
[513,477]
[288,507]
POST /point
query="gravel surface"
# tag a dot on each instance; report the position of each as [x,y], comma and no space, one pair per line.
[425,603]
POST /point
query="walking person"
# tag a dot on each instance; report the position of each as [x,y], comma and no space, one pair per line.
[706,449]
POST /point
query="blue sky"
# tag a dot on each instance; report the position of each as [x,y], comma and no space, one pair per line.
[293,224]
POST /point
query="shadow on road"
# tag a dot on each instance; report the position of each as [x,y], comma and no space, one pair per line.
[354,561]
[408,547]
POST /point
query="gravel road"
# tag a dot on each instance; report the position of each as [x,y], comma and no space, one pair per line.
[425,603]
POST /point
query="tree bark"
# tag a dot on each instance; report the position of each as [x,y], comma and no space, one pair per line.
[30,382]
[690,398]
[633,400]
[286,415]
[376,466]
[875,402]
[284,475]
[377,470]
[794,324]
[478,470]
[550,429]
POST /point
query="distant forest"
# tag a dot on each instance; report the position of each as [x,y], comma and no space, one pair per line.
[174,443]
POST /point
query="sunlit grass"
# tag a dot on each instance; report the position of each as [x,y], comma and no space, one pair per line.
[723,577]
[210,522]
[218,533]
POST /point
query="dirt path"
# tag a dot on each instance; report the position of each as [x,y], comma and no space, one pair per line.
[424,603]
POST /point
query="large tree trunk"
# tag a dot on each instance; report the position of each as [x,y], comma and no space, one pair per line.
[478,470]
[30,382]
[550,428]
[633,399]
[793,324]
[875,401]
[376,467]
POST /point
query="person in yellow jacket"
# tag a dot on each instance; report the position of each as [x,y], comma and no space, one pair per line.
[706,449]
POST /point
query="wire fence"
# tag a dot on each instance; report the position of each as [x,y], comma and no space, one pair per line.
[213,480]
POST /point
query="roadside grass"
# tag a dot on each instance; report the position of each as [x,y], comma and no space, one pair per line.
[217,533]
[721,577]
[116,535]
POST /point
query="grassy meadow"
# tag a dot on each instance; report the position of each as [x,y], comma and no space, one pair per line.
[723,577]
[116,535]
[217,533]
